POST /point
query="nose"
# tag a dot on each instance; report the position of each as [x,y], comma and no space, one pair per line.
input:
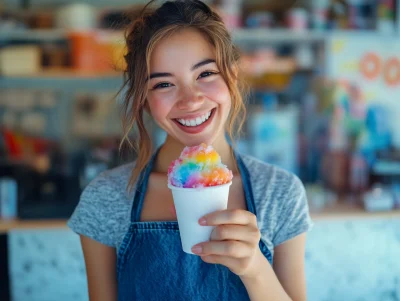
[190,99]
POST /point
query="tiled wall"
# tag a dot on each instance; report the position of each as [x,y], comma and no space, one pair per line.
[46,265]
[345,261]
[354,260]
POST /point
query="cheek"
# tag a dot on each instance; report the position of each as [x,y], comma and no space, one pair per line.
[160,106]
[218,92]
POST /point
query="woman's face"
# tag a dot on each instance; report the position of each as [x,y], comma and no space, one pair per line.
[187,95]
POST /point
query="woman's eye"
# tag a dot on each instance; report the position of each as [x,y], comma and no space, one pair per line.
[207,73]
[162,85]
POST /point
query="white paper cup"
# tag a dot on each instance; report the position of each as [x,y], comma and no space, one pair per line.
[193,203]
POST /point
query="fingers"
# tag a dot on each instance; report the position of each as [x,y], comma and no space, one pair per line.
[237,265]
[235,249]
[234,242]
[247,234]
[235,216]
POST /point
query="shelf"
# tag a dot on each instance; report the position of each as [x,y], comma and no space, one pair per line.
[387,168]
[273,36]
[36,5]
[60,73]
[240,36]
[64,80]
[22,35]
[276,36]
[346,211]
[49,35]
[7,225]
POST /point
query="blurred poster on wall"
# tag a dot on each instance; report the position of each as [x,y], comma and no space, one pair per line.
[274,137]
[371,61]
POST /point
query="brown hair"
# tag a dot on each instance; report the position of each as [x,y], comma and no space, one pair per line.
[142,36]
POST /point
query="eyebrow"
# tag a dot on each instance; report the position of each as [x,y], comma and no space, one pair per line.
[194,67]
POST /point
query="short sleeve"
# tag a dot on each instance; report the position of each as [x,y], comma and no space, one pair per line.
[294,216]
[101,212]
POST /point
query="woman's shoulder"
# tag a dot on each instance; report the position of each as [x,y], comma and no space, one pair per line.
[268,178]
[110,182]
[280,202]
[103,210]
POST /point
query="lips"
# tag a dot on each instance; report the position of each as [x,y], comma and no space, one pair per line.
[194,121]
[200,122]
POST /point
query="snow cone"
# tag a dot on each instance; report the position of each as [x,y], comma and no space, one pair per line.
[200,185]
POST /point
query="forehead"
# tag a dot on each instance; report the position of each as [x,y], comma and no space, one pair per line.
[182,49]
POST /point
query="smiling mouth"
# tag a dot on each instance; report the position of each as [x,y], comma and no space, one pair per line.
[195,121]
[195,125]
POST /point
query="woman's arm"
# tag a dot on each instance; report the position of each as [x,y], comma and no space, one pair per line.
[100,262]
[289,266]
[234,243]
[286,279]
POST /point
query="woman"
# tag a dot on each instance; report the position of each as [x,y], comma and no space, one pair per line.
[183,70]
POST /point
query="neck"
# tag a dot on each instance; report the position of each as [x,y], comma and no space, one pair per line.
[171,150]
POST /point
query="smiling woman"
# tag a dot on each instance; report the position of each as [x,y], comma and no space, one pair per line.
[182,68]
[198,45]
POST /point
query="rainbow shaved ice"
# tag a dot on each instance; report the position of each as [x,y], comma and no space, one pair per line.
[199,183]
[198,166]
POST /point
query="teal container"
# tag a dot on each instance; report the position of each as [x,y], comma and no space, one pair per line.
[8,198]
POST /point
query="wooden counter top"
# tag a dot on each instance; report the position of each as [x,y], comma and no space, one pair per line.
[337,212]
[345,211]
[7,225]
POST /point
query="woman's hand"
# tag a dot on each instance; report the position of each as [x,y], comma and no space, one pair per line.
[234,242]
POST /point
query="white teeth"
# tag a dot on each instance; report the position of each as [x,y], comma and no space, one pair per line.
[195,122]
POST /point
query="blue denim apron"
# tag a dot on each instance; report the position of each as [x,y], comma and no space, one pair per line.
[152,266]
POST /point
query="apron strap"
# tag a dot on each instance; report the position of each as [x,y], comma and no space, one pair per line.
[248,191]
[141,188]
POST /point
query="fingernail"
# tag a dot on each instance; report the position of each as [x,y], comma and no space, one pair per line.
[197,249]
[202,221]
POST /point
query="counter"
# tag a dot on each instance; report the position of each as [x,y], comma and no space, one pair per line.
[7,225]
[350,255]
[341,211]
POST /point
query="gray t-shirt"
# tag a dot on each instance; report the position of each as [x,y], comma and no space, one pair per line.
[103,212]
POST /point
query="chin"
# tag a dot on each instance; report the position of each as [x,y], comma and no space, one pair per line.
[188,141]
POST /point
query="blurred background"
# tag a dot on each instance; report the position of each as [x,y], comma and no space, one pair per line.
[324,77]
